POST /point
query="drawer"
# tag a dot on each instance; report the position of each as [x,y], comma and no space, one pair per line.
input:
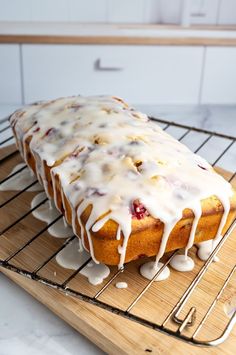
[219,82]
[10,74]
[140,74]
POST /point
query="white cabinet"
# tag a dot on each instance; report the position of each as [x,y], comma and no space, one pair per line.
[219,81]
[204,11]
[227,12]
[10,75]
[140,74]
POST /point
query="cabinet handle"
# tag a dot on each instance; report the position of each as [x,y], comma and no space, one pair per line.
[102,65]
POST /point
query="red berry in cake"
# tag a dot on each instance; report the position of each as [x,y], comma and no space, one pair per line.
[36,129]
[49,131]
[138,210]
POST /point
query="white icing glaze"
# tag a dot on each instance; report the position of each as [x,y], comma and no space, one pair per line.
[43,212]
[72,257]
[205,249]
[48,213]
[19,181]
[149,269]
[182,263]
[230,306]
[121,284]
[196,208]
[119,163]
[60,230]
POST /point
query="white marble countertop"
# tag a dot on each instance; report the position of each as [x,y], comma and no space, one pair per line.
[28,327]
[217,118]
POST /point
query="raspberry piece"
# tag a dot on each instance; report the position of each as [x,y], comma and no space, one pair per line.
[138,210]
[49,131]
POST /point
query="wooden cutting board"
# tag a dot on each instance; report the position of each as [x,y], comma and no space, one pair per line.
[112,333]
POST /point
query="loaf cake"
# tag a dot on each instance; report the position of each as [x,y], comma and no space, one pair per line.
[126,186]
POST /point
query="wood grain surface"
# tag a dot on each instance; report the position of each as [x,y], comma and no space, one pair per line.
[200,40]
[118,40]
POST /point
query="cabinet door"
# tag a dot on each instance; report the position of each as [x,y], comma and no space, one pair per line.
[227,12]
[219,81]
[140,74]
[10,82]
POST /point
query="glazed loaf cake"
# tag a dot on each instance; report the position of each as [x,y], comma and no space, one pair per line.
[127,187]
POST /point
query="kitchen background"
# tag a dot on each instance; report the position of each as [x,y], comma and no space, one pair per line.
[143,71]
[174,59]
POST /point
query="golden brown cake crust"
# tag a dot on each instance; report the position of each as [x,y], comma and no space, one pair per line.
[146,234]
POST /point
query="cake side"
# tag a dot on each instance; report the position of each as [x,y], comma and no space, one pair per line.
[146,237]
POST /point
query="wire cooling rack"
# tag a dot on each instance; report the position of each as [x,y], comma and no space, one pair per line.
[219,149]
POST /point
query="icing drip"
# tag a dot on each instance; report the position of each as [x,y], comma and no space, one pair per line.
[226,205]
[205,249]
[48,213]
[121,285]
[19,181]
[182,263]
[197,211]
[118,233]
[88,225]
[167,230]
[148,270]
[230,306]
[112,158]
[72,257]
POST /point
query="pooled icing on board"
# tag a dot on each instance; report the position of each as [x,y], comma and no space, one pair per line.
[121,284]
[72,257]
[48,213]
[182,263]
[149,269]
[205,249]
[230,306]
[19,181]
[113,158]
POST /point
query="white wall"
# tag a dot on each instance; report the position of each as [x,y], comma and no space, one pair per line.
[79,10]
[119,11]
